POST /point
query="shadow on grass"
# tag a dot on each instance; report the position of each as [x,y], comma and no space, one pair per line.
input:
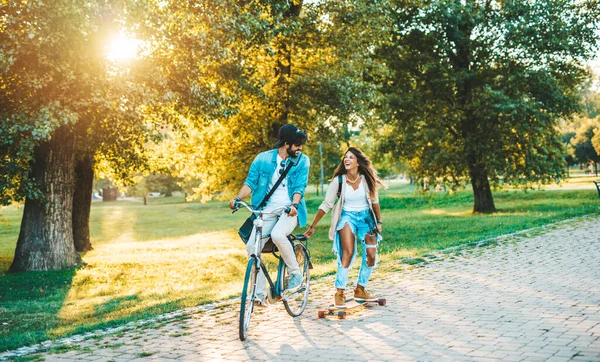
[30,304]
[117,303]
[124,302]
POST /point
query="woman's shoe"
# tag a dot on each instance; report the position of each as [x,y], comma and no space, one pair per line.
[339,299]
[360,294]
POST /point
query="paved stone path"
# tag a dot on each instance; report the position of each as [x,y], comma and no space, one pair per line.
[527,298]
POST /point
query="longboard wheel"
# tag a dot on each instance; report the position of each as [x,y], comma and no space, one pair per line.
[341,315]
[321,314]
[381,301]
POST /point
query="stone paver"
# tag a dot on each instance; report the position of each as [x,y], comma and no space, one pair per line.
[531,298]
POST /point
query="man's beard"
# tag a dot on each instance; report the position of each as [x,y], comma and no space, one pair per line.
[291,153]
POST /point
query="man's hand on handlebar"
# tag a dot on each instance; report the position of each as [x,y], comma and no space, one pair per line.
[293,210]
[233,203]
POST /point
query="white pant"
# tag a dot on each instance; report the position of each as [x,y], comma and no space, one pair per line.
[279,227]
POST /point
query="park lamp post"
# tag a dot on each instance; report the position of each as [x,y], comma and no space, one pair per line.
[322,179]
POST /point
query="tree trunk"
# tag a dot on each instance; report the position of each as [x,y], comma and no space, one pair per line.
[482,193]
[46,237]
[283,70]
[460,32]
[82,202]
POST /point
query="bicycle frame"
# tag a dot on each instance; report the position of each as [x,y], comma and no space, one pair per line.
[255,265]
[259,223]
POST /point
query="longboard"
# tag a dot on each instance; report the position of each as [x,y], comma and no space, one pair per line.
[351,303]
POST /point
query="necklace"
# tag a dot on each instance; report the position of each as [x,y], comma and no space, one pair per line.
[348,179]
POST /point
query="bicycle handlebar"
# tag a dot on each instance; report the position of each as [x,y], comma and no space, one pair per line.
[276,211]
[300,237]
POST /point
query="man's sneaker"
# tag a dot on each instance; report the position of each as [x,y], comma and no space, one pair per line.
[360,294]
[339,299]
[294,283]
[260,301]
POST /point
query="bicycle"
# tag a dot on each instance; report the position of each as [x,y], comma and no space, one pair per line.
[295,302]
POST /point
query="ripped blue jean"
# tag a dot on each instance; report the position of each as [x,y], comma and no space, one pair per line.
[361,222]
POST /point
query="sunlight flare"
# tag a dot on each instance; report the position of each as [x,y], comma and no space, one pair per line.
[123,48]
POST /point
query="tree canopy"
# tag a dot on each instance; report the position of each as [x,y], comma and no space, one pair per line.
[476,88]
[285,63]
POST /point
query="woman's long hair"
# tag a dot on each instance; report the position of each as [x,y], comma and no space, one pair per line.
[365,168]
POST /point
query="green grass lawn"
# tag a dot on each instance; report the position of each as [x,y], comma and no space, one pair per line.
[170,255]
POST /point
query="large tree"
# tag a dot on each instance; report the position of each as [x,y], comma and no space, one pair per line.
[476,87]
[59,96]
[47,73]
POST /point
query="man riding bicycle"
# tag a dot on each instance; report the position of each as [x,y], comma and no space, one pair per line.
[264,173]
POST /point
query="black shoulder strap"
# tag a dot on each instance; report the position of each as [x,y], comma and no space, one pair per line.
[339,193]
[268,195]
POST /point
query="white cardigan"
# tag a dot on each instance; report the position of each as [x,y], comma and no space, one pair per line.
[331,196]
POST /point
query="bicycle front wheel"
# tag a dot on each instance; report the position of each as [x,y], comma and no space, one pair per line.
[248,296]
[296,303]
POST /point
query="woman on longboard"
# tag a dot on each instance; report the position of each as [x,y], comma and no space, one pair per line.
[356,216]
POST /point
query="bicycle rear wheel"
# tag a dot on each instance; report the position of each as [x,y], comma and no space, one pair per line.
[248,296]
[296,303]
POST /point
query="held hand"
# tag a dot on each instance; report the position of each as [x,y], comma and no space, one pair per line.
[232,204]
[379,228]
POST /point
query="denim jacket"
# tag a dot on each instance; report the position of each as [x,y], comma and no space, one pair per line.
[260,174]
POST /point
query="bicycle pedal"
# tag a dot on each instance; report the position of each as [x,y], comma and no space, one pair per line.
[285,296]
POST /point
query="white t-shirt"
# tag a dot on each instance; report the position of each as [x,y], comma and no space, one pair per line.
[355,200]
[280,197]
